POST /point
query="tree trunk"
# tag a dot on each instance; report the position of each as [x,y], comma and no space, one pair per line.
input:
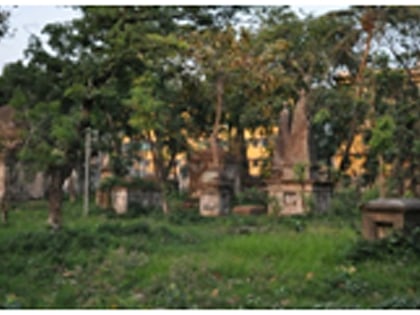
[359,90]
[381,177]
[237,147]
[55,196]
[159,170]
[3,189]
[218,117]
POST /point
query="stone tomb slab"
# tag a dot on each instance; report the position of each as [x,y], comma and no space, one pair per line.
[380,217]
[292,197]
[214,202]
[122,198]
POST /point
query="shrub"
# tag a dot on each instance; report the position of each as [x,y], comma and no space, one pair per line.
[345,203]
[370,194]
[251,195]
[396,245]
[108,183]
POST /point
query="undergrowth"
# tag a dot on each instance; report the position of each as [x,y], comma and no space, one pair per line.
[145,259]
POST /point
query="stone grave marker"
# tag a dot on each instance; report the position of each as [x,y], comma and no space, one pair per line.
[380,217]
[296,176]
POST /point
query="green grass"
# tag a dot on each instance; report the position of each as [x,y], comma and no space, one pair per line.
[185,261]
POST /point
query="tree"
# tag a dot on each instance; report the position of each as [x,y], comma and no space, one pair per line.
[51,141]
[241,77]
[158,115]
[164,96]
[384,84]
[315,49]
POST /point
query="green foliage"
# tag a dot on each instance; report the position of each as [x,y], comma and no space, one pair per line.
[250,196]
[229,262]
[299,171]
[370,194]
[345,203]
[403,246]
[135,182]
[183,209]
[131,71]
[382,138]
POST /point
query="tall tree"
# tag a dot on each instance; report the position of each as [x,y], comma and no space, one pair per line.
[316,48]
[51,118]
[163,97]
[241,75]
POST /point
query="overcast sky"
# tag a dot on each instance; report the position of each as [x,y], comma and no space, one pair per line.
[26,20]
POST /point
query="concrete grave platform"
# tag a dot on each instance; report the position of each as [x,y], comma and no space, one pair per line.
[380,217]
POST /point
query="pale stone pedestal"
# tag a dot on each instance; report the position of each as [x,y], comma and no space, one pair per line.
[289,197]
[122,198]
[215,195]
[380,217]
[214,202]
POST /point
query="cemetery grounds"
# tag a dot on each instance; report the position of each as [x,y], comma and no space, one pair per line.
[145,260]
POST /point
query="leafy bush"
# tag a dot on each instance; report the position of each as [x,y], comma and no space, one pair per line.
[108,183]
[396,245]
[117,229]
[345,203]
[370,194]
[251,195]
[49,241]
[182,216]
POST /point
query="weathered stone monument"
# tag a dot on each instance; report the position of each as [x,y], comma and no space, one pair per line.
[215,193]
[380,217]
[123,197]
[120,194]
[297,179]
[213,185]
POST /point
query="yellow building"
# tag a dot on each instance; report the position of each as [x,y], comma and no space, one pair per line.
[357,157]
[257,152]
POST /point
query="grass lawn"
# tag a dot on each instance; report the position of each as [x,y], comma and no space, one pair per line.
[186,261]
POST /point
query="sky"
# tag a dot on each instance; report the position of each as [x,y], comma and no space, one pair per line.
[29,19]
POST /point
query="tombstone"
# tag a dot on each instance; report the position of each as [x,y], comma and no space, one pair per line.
[123,197]
[381,217]
[297,179]
[200,162]
[215,193]
[213,186]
